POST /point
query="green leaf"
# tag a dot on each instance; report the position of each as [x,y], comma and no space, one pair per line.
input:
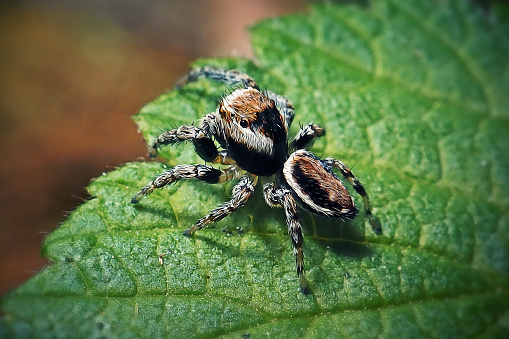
[413,95]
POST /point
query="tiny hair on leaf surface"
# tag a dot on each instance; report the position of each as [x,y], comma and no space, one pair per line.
[413,95]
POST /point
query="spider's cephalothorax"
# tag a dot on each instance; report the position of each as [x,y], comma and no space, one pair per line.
[252,128]
[249,126]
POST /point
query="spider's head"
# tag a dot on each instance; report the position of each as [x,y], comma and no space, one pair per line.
[252,119]
[250,127]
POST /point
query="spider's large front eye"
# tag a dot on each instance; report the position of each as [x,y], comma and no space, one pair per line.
[244,123]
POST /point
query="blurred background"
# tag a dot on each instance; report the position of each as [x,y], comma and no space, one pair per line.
[72,73]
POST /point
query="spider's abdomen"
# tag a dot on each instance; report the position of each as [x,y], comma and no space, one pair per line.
[317,187]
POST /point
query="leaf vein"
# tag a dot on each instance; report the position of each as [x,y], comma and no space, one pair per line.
[455,50]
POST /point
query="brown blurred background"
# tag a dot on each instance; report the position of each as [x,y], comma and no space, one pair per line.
[72,73]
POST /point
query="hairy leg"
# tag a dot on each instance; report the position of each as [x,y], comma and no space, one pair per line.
[283,198]
[240,194]
[229,77]
[183,172]
[200,136]
[306,135]
[356,184]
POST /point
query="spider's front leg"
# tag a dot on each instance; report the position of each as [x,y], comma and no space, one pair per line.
[183,172]
[200,136]
[356,184]
[240,194]
[283,198]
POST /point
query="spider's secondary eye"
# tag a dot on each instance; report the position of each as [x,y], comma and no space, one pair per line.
[243,123]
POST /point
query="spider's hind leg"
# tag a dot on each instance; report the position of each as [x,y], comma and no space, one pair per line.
[356,184]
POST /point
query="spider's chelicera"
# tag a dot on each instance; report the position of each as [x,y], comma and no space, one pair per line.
[252,128]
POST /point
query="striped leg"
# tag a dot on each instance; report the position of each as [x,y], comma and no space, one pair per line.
[240,194]
[306,135]
[183,172]
[203,143]
[283,198]
[228,77]
[356,184]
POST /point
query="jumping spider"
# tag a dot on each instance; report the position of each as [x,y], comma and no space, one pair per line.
[252,128]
